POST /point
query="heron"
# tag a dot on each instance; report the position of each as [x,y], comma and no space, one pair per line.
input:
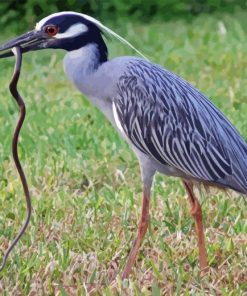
[171,126]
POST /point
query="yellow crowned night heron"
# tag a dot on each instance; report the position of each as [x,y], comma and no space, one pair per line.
[172,127]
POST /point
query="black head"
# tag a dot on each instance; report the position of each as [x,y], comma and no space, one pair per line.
[63,30]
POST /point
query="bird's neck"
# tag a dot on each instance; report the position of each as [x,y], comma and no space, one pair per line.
[85,70]
[83,62]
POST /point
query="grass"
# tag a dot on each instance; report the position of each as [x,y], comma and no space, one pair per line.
[85,181]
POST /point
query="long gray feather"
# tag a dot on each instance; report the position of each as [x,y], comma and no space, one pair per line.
[167,118]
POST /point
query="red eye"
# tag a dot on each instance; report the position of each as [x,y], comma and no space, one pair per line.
[51,30]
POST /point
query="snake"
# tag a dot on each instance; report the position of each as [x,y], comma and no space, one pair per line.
[22,113]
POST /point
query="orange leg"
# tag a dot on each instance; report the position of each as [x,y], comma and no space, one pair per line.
[142,229]
[196,212]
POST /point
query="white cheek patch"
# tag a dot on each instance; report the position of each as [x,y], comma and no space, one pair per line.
[73,31]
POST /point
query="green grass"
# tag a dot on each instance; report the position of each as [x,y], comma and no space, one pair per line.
[85,181]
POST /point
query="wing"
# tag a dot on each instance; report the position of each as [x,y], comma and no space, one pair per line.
[168,119]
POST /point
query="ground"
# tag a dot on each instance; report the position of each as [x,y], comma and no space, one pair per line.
[85,181]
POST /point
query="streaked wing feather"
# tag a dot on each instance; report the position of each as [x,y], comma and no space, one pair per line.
[168,119]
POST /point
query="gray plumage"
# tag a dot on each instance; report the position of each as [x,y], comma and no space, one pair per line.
[168,119]
[172,127]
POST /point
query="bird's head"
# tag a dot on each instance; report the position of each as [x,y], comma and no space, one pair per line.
[63,30]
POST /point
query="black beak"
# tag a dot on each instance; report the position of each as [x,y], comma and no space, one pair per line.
[33,40]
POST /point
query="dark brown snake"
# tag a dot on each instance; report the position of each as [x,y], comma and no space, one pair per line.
[22,114]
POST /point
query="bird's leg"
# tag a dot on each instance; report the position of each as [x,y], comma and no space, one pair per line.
[142,229]
[196,212]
